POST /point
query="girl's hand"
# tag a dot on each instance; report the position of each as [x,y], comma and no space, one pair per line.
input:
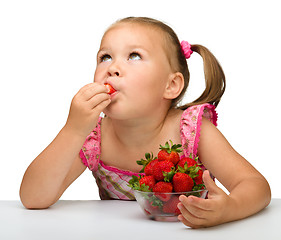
[86,107]
[198,212]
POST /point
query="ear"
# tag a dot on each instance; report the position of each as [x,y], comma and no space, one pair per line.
[174,86]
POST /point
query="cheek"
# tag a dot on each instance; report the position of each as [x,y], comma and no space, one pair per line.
[98,75]
[148,78]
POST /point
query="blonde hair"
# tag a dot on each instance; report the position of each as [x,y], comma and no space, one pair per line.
[214,76]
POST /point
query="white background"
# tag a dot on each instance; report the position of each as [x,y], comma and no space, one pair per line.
[48,52]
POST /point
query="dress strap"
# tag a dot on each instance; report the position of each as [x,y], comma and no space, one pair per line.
[190,126]
[91,150]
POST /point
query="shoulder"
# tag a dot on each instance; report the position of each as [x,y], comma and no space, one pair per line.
[195,113]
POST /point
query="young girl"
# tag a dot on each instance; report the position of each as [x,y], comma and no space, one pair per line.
[143,60]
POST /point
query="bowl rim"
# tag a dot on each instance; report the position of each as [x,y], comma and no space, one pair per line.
[171,193]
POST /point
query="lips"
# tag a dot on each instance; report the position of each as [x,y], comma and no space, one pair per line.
[110,89]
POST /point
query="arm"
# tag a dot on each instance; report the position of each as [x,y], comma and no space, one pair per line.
[249,190]
[59,165]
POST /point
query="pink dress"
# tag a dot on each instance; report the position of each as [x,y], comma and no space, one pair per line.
[113,182]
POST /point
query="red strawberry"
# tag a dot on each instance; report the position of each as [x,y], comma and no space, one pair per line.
[149,208]
[171,206]
[160,167]
[148,168]
[163,187]
[110,89]
[146,163]
[182,182]
[170,153]
[147,211]
[190,162]
[148,181]
[198,179]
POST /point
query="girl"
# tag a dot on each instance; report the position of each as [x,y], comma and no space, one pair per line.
[143,60]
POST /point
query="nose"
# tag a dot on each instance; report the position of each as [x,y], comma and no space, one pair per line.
[114,70]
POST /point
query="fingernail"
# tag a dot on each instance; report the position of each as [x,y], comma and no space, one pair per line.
[180,217]
[179,206]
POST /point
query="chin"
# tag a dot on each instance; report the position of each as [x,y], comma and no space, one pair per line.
[120,113]
[113,112]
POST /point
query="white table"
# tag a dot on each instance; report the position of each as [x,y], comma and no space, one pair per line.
[111,219]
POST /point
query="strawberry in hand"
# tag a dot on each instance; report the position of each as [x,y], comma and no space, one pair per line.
[110,89]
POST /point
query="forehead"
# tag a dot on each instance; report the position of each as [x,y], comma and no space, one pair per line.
[133,34]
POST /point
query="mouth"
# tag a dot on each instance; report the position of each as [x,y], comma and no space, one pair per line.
[110,90]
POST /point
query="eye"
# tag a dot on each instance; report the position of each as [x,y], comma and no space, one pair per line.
[105,58]
[134,56]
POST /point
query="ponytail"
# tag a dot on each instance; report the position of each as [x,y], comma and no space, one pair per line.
[214,79]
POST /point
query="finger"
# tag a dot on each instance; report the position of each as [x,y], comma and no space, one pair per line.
[86,87]
[186,222]
[204,204]
[209,183]
[197,207]
[90,90]
[103,105]
[98,99]
[193,220]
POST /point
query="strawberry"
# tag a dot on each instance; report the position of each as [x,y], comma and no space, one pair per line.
[149,208]
[148,168]
[163,187]
[147,163]
[147,181]
[170,153]
[110,89]
[188,166]
[160,167]
[147,211]
[182,182]
[198,179]
[171,206]
[190,162]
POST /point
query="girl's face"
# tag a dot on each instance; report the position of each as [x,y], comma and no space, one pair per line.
[132,59]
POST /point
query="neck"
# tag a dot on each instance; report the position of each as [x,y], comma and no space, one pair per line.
[137,133]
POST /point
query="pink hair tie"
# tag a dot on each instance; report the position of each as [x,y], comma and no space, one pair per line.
[186,49]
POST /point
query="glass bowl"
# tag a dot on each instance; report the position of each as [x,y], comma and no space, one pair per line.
[163,206]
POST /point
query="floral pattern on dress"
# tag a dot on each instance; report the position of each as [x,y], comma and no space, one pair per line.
[191,125]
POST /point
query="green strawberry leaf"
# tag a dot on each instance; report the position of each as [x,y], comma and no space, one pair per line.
[156,202]
[145,188]
[148,157]
[134,183]
[172,148]
[146,161]
[168,176]
[141,162]
[166,147]
[176,148]
[198,187]
[184,168]
[192,171]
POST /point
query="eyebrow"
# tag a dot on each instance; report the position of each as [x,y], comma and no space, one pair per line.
[134,46]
